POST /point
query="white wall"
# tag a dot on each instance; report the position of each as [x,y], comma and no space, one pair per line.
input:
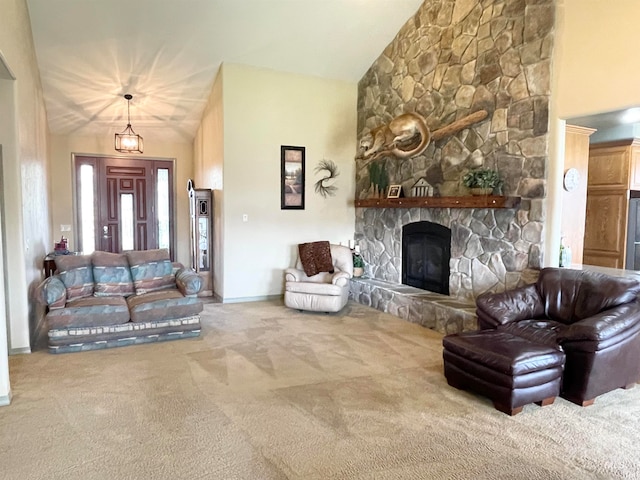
[25,169]
[263,110]
[24,135]
[251,113]
[62,148]
[5,384]
[597,66]
[208,157]
[594,71]
[8,141]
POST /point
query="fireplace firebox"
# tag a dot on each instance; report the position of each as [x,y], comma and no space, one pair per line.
[426,251]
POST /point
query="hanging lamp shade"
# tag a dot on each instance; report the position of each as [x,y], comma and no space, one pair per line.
[129,141]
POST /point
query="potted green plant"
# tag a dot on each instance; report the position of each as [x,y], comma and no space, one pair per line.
[482,181]
[358,265]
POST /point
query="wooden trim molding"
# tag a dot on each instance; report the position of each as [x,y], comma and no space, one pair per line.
[579,130]
[468,201]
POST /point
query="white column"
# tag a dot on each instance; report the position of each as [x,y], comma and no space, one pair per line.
[5,386]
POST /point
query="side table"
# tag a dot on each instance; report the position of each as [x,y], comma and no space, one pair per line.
[49,262]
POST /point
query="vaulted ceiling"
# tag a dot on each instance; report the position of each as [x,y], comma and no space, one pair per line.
[166,53]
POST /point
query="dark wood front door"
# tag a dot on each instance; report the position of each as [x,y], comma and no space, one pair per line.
[126,216]
[128,201]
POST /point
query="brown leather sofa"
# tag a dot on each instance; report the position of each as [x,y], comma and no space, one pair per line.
[594,318]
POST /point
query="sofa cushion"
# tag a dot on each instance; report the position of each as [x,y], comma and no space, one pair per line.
[151,270]
[573,295]
[162,305]
[503,352]
[77,275]
[52,292]
[90,312]
[542,331]
[314,288]
[513,305]
[111,275]
[188,282]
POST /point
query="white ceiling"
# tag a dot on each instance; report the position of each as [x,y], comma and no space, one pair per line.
[166,53]
[606,120]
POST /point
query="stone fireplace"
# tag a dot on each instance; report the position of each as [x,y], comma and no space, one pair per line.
[450,60]
[491,249]
[426,251]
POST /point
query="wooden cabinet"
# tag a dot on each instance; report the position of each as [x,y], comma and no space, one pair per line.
[201,211]
[614,170]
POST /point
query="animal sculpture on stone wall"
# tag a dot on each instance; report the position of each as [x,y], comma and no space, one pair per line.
[386,139]
[399,136]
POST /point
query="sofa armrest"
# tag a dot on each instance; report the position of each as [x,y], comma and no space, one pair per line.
[295,275]
[188,282]
[620,322]
[521,303]
[52,292]
[341,279]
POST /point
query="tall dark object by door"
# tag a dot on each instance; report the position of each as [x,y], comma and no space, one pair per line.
[201,221]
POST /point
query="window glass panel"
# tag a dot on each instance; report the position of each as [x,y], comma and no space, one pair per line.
[163,208]
[126,217]
[87,220]
[203,241]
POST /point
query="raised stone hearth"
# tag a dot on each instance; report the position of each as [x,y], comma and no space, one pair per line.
[490,249]
[449,60]
[438,312]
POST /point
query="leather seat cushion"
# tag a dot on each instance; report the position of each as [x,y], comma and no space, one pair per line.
[541,331]
[314,288]
[503,352]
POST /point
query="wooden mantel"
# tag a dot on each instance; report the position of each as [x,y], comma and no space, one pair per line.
[468,201]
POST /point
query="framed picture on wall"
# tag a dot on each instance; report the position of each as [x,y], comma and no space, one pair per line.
[292,178]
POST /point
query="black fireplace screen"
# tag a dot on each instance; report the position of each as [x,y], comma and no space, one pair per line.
[426,251]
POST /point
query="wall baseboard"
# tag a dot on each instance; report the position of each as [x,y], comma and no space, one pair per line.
[5,399]
[252,299]
[19,351]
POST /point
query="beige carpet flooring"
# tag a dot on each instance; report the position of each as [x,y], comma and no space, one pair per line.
[271,393]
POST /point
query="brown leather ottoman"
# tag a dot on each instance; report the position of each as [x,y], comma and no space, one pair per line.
[510,370]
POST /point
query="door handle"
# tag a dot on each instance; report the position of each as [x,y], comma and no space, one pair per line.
[105,231]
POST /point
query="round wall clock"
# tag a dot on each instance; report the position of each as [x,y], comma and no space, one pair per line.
[571,179]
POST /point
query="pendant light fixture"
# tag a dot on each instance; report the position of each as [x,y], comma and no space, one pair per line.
[128,141]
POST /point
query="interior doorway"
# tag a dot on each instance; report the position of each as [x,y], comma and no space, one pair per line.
[124,204]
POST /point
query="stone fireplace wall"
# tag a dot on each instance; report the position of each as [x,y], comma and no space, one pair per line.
[452,59]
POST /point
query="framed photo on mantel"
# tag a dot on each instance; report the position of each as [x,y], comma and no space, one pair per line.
[395,191]
[292,178]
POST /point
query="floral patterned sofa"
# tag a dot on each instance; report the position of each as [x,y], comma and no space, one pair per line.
[107,300]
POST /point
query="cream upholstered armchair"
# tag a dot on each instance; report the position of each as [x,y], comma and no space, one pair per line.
[320,280]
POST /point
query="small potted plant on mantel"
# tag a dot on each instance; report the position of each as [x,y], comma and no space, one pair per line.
[482,181]
[358,264]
